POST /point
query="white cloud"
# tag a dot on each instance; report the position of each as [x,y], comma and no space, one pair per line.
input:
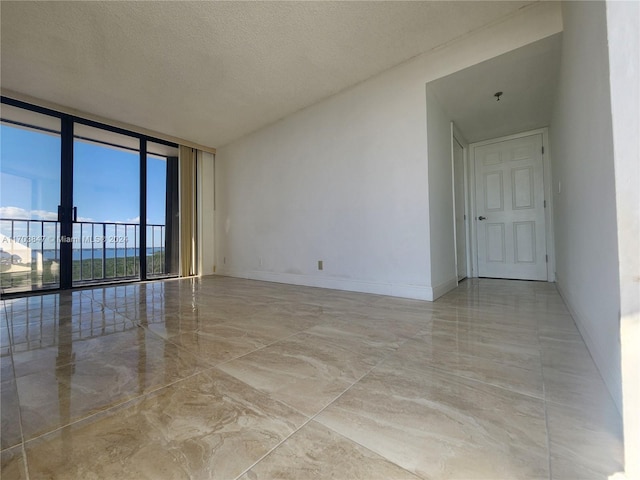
[44,215]
[14,212]
[129,220]
[18,213]
[22,214]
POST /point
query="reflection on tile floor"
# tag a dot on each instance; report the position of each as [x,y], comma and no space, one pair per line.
[226,378]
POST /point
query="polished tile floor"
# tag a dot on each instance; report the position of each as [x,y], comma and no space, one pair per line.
[222,378]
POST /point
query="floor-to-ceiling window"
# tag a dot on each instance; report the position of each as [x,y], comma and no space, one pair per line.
[29,199]
[83,203]
[106,193]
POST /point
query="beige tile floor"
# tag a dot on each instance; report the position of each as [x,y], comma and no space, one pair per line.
[225,378]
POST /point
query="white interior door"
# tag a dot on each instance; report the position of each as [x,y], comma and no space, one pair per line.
[460,207]
[510,209]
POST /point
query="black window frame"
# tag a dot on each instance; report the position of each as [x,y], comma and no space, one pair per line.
[67,121]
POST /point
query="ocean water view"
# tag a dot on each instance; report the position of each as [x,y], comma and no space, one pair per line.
[85,253]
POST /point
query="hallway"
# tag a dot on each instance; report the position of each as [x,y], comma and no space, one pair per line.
[234,379]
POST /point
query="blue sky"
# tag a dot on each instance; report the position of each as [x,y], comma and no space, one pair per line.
[106,183]
[106,180]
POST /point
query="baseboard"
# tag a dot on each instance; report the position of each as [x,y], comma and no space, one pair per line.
[417,292]
[607,371]
[443,288]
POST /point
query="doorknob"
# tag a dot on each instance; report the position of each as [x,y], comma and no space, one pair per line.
[482,218]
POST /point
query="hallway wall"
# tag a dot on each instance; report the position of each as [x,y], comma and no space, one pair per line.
[623,23]
[442,245]
[584,188]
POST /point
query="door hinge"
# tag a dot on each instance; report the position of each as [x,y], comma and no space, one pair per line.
[543,149]
[546,258]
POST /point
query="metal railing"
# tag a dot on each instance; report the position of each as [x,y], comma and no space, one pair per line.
[101,251]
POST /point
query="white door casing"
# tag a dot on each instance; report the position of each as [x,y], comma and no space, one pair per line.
[459,209]
[510,210]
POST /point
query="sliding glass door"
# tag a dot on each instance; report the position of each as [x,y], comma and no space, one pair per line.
[29,198]
[83,203]
[106,196]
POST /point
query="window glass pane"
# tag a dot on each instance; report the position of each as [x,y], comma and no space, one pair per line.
[29,199]
[106,189]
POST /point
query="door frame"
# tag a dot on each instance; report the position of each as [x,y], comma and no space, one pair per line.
[548,198]
[456,136]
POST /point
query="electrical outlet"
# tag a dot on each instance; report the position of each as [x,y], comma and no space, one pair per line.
[320,265]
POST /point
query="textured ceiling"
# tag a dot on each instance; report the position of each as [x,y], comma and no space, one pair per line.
[527,77]
[211,72]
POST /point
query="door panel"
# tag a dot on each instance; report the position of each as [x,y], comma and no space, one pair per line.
[522,181]
[495,242]
[510,209]
[493,192]
[525,242]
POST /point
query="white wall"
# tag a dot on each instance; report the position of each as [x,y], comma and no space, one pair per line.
[623,24]
[206,213]
[443,252]
[346,180]
[584,187]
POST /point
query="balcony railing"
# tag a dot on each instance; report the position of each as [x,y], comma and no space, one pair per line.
[101,251]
